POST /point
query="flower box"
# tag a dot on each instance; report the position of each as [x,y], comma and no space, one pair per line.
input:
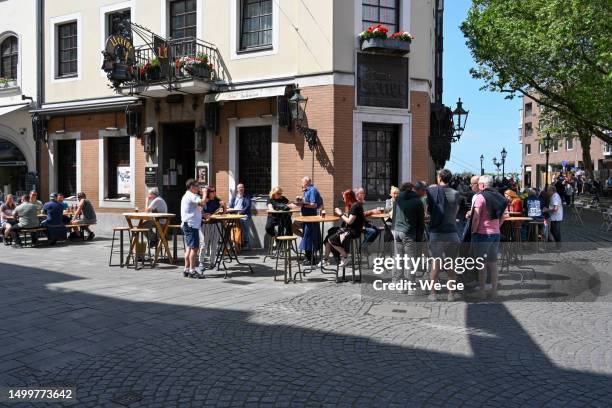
[388,46]
[198,71]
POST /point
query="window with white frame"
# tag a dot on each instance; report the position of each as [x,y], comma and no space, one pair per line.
[118,181]
[385,12]
[66,152]
[255,25]
[67,50]
[555,145]
[569,144]
[528,109]
[9,55]
[528,149]
[542,148]
[183,19]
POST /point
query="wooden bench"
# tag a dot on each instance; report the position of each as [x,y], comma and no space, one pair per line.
[79,228]
[25,232]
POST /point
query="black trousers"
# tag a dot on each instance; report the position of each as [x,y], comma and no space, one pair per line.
[555,231]
[282,221]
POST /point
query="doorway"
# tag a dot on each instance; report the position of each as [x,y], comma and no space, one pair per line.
[177,162]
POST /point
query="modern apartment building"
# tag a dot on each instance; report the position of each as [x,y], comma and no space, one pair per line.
[18,94]
[564,150]
[207,89]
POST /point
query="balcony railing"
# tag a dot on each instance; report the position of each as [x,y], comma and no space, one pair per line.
[187,59]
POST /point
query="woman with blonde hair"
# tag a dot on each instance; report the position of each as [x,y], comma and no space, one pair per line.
[278,202]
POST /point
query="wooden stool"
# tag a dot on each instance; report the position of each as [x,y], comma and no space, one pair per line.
[284,245]
[269,242]
[174,228]
[120,230]
[355,254]
[139,237]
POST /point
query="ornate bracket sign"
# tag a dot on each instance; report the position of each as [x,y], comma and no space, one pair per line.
[119,59]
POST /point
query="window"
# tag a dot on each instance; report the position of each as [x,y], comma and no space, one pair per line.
[118,162]
[67,167]
[555,145]
[528,109]
[255,159]
[67,49]
[183,19]
[528,129]
[114,20]
[384,12]
[256,24]
[542,149]
[607,148]
[379,159]
[9,55]
[528,149]
[569,144]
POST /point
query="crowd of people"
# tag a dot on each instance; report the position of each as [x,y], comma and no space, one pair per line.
[28,212]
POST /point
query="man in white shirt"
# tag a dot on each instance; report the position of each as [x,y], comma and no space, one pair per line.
[154,204]
[555,209]
[191,221]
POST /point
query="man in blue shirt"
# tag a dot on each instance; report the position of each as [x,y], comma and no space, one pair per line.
[56,230]
[242,202]
[311,202]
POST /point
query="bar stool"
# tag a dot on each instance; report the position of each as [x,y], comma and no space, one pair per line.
[140,236]
[174,229]
[269,243]
[534,232]
[355,254]
[120,230]
[284,245]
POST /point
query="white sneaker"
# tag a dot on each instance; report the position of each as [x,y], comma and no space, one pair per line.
[324,262]
[343,262]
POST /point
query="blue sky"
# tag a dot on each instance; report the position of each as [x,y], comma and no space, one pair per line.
[493,121]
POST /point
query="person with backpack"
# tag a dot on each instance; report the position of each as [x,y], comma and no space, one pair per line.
[443,205]
[488,213]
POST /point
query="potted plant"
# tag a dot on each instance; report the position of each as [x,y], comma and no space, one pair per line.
[375,39]
[4,82]
[198,66]
[152,70]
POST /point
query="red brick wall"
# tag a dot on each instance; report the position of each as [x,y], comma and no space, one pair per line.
[89,126]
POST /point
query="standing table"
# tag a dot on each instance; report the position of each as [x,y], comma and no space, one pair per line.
[141,218]
[225,223]
[320,220]
[512,250]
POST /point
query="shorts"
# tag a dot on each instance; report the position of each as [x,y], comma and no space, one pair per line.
[443,244]
[485,246]
[192,236]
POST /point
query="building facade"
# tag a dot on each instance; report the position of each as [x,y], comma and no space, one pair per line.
[227,121]
[565,154]
[18,94]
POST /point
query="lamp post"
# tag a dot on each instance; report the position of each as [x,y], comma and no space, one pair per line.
[504,153]
[481,168]
[460,116]
[547,145]
[497,164]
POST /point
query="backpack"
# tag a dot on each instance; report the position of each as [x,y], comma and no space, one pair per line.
[436,200]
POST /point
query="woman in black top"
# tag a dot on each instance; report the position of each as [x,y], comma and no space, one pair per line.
[278,202]
[353,220]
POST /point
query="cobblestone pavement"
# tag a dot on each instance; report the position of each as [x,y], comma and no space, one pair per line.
[151,338]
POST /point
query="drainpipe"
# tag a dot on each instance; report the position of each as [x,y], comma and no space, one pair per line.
[40,73]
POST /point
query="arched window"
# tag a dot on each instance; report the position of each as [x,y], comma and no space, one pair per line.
[8,55]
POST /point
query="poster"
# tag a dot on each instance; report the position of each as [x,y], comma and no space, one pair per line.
[124,180]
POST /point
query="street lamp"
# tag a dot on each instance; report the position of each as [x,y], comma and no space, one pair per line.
[481,168]
[497,164]
[504,153]
[547,145]
[460,116]
[297,104]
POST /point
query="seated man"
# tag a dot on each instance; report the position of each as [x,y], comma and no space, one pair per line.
[84,215]
[242,202]
[56,230]
[154,204]
[27,214]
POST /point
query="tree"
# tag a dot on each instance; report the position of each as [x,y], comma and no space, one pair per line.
[555,51]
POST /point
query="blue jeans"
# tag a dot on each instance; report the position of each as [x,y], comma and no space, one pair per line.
[370,235]
[244,225]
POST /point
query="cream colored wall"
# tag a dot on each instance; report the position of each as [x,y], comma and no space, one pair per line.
[314,36]
[19,17]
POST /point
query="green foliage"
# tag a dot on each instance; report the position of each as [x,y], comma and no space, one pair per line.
[556,51]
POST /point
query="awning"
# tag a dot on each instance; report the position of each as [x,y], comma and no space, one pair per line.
[87,105]
[12,108]
[254,93]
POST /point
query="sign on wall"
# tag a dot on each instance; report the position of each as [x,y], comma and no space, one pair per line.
[124,180]
[382,81]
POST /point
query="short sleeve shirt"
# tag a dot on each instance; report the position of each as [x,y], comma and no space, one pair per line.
[190,213]
[55,213]
[486,225]
[28,215]
[555,200]
[357,225]
[312,196]
[279,204]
